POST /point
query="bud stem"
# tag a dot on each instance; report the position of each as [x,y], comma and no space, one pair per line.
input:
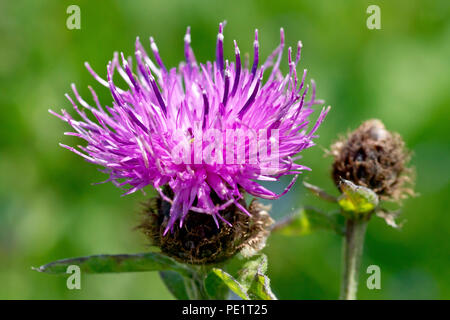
[352,253]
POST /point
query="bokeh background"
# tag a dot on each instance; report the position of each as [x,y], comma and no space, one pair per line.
[49,210]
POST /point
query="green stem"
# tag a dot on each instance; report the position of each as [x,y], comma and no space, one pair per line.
[196,289]
[196,285]
[353,248]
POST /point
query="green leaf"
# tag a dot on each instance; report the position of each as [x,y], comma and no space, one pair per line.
[176,284]
[356,198]
[308,220]
[151,261]
[215,287]
[253,278]
[230,282]
[260,288]
[253,284]
[251,268]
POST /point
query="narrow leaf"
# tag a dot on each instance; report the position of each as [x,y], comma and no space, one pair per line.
[251,268]
[216,287]
[230,282]
[260,288]
[151,261]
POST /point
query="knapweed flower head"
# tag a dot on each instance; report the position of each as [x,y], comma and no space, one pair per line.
[205,130]
[375,158]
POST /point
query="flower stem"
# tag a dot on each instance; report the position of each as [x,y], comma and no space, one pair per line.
[196,285]
[196,289]
[352,253]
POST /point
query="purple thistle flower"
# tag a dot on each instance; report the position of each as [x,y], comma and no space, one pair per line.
[164,114]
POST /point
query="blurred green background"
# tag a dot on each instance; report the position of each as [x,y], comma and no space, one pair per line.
[49,210]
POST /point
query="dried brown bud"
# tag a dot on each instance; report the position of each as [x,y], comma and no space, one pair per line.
[375,158]
[199,241]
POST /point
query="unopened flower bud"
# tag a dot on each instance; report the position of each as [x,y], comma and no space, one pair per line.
[375,158]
